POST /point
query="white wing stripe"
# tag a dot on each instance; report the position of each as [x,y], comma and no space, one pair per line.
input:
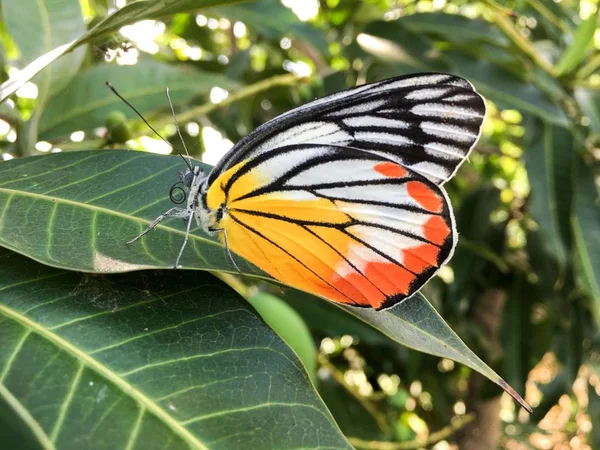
[452,132]
[444,111]
[374,121]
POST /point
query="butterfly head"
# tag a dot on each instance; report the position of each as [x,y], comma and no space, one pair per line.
[189,182]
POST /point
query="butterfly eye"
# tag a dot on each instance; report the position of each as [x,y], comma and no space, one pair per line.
[219,213]
[186,178]
[177,194]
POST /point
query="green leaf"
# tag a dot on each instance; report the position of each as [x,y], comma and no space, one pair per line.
[455,28]
[147,361]
[549,162]
[77,210]
[58,22]
[589,102]
[130,13]
[271,19]
[575,53]
[89,101]
[586,223]
[417,325]
[284,320]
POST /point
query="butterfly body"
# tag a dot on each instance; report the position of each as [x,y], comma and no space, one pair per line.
[342,197]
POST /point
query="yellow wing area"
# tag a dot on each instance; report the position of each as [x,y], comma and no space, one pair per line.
[323,246]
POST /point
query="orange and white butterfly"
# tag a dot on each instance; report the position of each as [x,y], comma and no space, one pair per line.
[342,197]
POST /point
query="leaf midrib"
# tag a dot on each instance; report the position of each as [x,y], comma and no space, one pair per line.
[141,398]
[101,209]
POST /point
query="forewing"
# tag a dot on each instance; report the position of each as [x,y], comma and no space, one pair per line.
[345,224]
[427,122]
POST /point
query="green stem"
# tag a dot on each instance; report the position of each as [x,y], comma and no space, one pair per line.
[549,15]
[589,68]
[433,438]
[517,38]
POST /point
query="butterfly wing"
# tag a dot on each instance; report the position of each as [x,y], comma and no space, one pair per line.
[346,224]
[427,122]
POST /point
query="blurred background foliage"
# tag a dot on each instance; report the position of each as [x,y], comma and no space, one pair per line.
[523,289]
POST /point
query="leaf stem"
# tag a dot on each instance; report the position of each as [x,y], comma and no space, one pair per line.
[455,425]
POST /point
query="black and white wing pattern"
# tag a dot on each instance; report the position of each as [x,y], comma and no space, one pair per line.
[426,122]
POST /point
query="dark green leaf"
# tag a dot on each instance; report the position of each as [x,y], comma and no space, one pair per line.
[147,361]
[575,53]
[586,223]
[88,102]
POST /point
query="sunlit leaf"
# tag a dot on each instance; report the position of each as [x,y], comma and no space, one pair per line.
[132,12]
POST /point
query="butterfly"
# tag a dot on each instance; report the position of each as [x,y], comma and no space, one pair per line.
[342,197]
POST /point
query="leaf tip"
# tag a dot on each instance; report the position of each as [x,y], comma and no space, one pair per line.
[514,394]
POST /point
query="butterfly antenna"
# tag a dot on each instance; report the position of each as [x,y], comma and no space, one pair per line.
[177,124]
[112,88]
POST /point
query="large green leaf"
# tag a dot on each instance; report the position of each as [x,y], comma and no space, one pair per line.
[77,210]
[89,101]
[586,223]
[549,163]
[146,361]
[130,13]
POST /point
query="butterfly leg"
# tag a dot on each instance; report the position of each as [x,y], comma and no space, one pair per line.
[222,230]
[185,240]
[173,212]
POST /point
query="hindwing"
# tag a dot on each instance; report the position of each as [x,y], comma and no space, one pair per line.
[346,224]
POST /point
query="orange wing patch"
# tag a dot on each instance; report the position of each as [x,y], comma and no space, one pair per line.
[424,196]
[390,169]
[350,251]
